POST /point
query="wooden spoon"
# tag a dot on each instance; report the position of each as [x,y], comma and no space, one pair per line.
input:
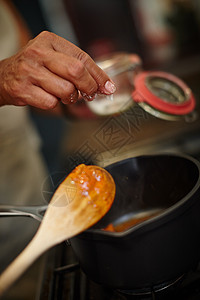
[80,201]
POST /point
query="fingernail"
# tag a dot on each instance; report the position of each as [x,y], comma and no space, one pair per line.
[110,87]
[88,97]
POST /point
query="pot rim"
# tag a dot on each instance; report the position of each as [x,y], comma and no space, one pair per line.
[163,217]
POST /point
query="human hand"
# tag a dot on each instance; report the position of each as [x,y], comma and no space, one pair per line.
[50,69]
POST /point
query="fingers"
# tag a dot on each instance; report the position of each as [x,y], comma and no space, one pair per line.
[69,62]
[49,69]
[39,98]
[34,96]
[71,70]
[55,85]
[71,99]
[27,82]
[83,65]
[105,84]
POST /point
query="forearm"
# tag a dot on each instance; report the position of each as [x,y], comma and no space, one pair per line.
[3,98]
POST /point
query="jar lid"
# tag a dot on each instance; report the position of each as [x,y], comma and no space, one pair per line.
[163,95]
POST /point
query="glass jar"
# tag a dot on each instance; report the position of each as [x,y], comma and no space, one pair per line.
[161,94]
[121,68]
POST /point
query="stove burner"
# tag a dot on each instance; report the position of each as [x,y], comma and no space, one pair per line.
[154,289]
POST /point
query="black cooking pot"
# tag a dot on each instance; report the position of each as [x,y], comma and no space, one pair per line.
[157,250]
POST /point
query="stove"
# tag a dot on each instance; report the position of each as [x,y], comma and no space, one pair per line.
[63,279]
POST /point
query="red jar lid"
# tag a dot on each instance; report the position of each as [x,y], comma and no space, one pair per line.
[163,92]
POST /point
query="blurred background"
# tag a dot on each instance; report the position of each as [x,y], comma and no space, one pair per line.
[165,35]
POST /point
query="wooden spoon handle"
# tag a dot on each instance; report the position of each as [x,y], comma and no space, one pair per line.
[34,249]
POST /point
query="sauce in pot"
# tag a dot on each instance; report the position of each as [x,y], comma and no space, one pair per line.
[135,220]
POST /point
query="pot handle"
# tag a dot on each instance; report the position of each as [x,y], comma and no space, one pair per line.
[35,212]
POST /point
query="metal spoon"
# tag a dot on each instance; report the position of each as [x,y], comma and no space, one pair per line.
[80,201]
